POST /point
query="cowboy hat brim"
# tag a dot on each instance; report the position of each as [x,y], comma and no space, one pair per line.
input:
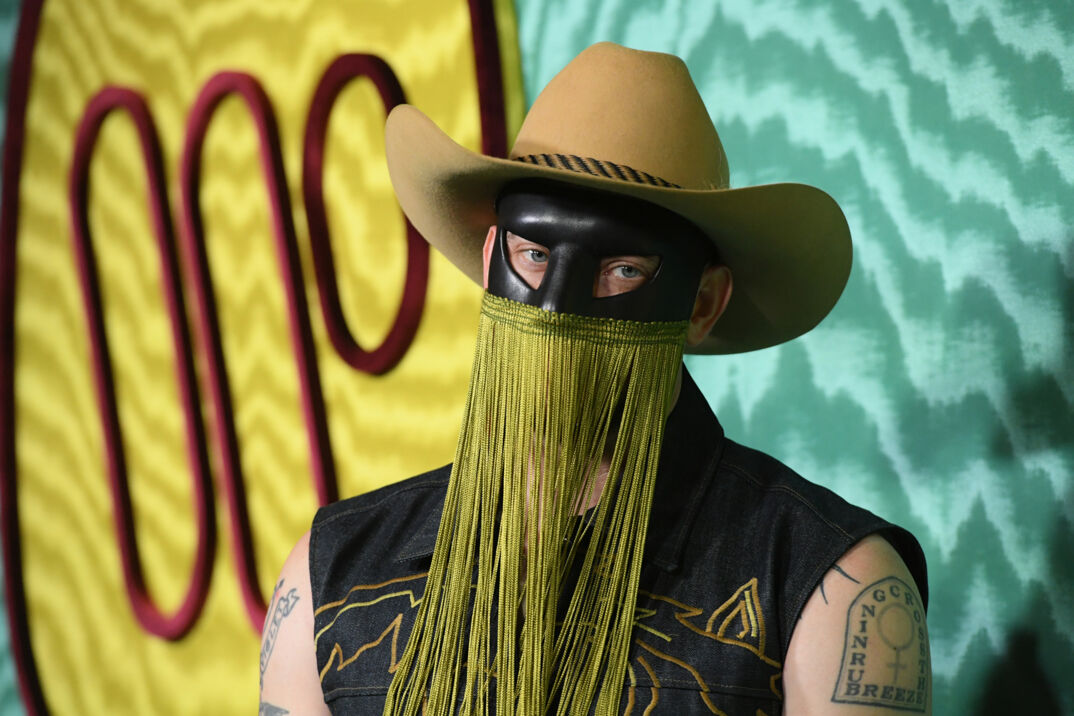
[787,245]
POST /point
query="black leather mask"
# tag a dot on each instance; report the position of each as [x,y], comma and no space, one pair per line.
[579,227]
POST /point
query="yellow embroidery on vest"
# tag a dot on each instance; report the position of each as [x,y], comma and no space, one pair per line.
[412,598]
[704,693]
[641,613]
[738,622]
[368,596]
[361,587]
[654,689]
[773,684]
[632,691]
[337,650]
[742,610]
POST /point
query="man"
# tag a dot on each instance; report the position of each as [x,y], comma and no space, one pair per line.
[598,546]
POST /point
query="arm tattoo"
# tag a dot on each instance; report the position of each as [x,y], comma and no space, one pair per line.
[267,709]
[271,601]
[284,604]
[835,568]
[885,650]
[841,571]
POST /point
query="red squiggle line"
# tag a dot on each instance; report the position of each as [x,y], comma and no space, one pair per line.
[257,102]
[33,699]
[152,619]
[490,97]
[394,346]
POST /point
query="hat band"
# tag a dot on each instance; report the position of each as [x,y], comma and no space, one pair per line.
[595,167]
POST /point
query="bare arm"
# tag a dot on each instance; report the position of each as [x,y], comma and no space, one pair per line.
[289,680]
[861,646]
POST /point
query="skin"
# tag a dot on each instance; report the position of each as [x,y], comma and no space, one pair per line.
[616,274]
[816,652]
[815,657]
[289,678]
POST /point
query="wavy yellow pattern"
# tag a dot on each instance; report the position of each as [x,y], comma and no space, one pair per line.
[91,654]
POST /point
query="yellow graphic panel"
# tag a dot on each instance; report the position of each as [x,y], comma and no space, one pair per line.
[235,185]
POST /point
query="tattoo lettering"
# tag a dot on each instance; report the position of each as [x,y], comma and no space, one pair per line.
[838,570]
[284,605]
[885,650]
[267,709]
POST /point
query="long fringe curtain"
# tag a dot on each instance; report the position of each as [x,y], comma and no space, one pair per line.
[531,592]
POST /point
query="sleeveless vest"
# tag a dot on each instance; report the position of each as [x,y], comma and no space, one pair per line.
[737,543]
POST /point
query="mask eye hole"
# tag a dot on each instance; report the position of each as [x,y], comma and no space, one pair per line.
[528,259]
[614,274]
[623,274]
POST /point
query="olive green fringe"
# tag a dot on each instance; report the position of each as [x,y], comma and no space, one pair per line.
[545,394]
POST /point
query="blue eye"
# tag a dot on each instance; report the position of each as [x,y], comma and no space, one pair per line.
[536,256]
[627,271]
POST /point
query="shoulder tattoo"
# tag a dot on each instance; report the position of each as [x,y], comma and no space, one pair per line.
[838,570]
[885,649]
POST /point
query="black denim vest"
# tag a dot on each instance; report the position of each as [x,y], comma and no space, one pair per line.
[737,544]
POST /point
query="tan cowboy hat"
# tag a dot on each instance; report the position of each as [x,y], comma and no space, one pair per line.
[633,122]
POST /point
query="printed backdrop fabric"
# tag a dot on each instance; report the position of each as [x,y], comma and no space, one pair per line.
[159,65]
[939,393]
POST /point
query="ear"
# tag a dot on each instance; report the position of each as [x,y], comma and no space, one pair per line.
[486,255]
[713,293]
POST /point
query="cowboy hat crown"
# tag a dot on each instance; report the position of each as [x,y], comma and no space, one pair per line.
[649,126]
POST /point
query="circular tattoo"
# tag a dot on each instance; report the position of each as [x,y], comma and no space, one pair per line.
[896,626]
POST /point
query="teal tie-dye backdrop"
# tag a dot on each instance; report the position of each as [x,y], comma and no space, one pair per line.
[940,392]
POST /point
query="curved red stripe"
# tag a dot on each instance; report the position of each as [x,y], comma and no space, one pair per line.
[394,346]
[33,698]
[149,615]
[489,69]
[257,102]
